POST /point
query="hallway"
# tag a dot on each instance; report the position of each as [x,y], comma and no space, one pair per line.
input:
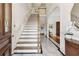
[48,48]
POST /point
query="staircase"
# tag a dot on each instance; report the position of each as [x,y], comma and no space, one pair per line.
[29,41]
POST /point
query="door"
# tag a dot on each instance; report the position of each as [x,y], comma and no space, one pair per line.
[57,28]
[58,32]
[5,28]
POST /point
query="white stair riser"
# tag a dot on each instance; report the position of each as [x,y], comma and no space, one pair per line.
[26,51]
[30,30]
[29,36]
[28,40]
[27,45]
[29,33]
[32,22]
[30,27]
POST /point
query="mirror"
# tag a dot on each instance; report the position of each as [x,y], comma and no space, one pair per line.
[75,15]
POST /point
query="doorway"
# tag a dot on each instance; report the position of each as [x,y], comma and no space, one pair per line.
[54,27]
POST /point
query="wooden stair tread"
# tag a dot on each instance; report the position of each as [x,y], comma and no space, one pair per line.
[29,34]
[30,31]
[25,48]
[26,42]
[32,28]
[29,38]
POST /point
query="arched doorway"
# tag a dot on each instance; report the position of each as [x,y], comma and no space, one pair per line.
[54,26]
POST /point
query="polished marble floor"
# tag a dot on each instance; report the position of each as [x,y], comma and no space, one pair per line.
[48,48]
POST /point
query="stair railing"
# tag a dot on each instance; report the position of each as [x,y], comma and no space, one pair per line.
[39,38]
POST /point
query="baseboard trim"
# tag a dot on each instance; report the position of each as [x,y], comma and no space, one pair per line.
[61,52]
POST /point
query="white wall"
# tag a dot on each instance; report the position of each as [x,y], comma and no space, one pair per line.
[64,14]
[20,15]
[43,23]
[53,18]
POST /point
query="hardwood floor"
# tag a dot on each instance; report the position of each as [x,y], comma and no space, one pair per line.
[72,48]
